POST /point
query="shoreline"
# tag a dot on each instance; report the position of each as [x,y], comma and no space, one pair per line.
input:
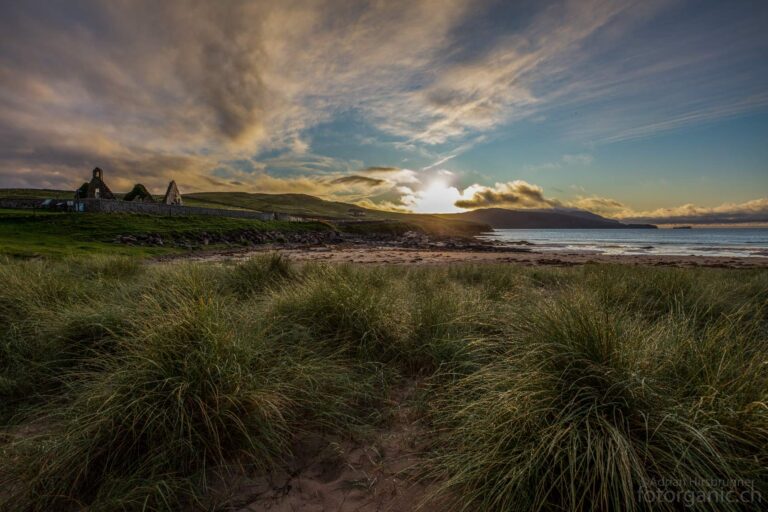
[380,254]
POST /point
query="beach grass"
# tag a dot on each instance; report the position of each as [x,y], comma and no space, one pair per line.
[127,386]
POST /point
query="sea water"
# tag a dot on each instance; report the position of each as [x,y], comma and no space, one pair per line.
[732,242]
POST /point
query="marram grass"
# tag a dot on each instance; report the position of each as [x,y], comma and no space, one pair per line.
[126,386]
[585,408]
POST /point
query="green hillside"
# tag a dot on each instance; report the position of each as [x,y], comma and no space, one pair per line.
[298,204]
[24,233]
[311,206]
[308,206]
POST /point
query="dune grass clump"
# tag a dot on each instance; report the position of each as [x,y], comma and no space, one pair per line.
[31,293]
[449,319]
[193,386]
[587,409]
[259,273]
[178,397]
[104,267]
[656,292]
[56,316]
[365,313]
[29,287]
[417,319]
[36,365]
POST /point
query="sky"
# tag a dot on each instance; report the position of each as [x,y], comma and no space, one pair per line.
[651,110]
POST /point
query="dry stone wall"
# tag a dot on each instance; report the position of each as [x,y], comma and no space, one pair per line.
[20,203]
[108,206]
[167,210]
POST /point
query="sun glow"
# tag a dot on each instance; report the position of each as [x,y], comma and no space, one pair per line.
[437,197]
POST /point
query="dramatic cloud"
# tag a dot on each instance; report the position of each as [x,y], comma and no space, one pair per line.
[393,175]
[133,81]
[500,85]
[380,170]
[242,95]
[514,194]
[600,205]
[358,180]
[755,211]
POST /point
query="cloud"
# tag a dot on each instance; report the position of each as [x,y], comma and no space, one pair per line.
[223,94]
[671,72]
[754,211]
[440,161]
[514,194]
[205,81]
[380,170]
[358,180]
[436,197]
[384,205]
[600,205]
[224,81]
[510,80]
[393,175]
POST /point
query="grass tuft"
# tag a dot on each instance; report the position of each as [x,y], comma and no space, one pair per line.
[586,409]
[259,273]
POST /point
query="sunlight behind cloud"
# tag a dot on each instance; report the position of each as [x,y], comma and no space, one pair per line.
[437,197]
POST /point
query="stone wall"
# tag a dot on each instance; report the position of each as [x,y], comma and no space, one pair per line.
[117,206]
[109,206]
[21,203]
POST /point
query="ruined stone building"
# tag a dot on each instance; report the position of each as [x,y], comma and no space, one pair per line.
[96,188]
[140,194]
[172,195]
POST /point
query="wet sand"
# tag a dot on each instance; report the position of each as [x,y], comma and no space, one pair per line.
[389,255]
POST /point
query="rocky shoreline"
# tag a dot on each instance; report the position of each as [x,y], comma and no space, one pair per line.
[237,238]
[255,238]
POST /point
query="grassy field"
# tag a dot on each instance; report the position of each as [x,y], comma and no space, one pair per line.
[124,386]
[298,204]
[29,233]
[306,205]
[26,233]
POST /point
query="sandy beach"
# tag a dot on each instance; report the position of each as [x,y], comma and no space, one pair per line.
[371,254]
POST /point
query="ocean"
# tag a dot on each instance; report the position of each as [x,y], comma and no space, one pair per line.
[732,242]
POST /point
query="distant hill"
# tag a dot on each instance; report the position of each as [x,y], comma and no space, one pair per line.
[501,218]
[298,204]
[311,206]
